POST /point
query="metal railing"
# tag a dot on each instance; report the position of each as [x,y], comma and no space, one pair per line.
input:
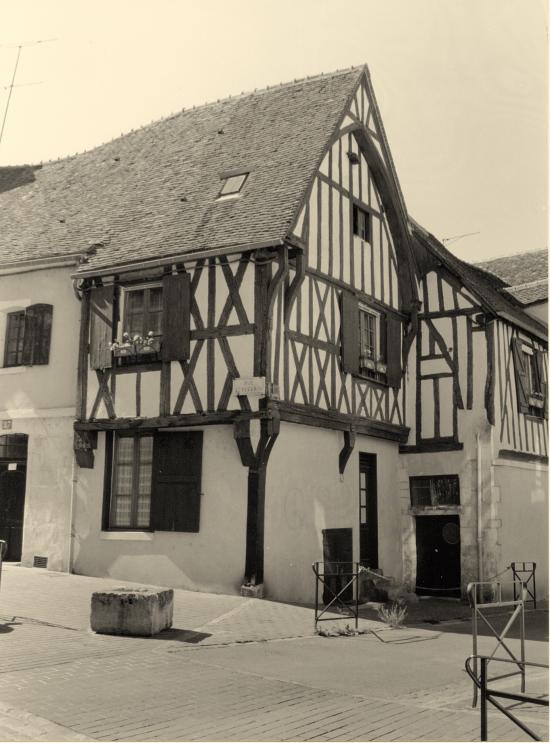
[476,595]
[489,694]
[337,579]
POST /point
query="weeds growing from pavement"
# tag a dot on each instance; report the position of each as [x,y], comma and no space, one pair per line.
[394,615]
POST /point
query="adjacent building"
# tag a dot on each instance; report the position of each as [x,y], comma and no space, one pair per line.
[271,363]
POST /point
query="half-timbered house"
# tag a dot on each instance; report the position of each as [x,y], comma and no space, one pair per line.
[476,462]
[276,364]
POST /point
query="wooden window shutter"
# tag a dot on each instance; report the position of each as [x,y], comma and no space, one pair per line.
[176,488]
[541,362]
[350,333]
[176,312]
[522,375]
[101,326]
[394,340]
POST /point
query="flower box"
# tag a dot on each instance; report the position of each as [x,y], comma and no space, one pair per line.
[122,351]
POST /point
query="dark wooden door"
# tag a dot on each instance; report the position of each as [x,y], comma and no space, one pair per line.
[368,511]
[12,505]
[338,562]
[438,555]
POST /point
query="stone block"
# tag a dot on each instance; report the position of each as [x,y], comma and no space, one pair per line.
[253,592]
[132,611]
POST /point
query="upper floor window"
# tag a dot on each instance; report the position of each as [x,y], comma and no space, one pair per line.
[155,322]
[371,342]
[143,311]
[232,184]
[531,387]
[371,359]
[361,223]
[28,335]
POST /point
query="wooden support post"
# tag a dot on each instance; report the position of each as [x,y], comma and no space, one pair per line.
[254,562]
[82,372]
[256,461]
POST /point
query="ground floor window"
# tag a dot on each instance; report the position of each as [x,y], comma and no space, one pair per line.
[441,490]
[154,481]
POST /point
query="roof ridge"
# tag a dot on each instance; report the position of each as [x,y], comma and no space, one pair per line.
[526,284]
[511,255]
[206,104]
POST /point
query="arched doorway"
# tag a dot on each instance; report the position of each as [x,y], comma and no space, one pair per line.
[13,475]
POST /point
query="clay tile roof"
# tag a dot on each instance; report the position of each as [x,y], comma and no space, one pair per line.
[530,293]
[489,289]
[152,193]
[518,269]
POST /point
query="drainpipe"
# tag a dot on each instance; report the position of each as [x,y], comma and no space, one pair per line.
[74,483]
[479,512]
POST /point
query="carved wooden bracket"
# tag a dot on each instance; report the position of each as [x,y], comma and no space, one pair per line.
[84,443]
[345,453]
[270,424]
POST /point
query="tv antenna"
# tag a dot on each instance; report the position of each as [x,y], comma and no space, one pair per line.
[12,85]
[448,240]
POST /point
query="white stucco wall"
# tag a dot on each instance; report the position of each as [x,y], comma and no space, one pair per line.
[53,385]
[210,560]
[521,498]
[304,495]
[46,521]
[40,401]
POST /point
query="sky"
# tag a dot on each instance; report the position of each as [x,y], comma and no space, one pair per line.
[461,86]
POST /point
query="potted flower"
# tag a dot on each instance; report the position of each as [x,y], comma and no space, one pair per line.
[122,348]
[380,365]
[147,345]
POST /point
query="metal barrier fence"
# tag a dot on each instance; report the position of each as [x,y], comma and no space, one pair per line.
[524,574]
[339,582]
[477,593]
[488,695]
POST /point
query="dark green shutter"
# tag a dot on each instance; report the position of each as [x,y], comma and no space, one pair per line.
[541,362]
[521,374]
[101,327]
[176,299]
[394,340]
[350,333]
[176,491]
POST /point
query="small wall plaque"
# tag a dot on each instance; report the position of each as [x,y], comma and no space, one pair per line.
[251,386]
[7,424]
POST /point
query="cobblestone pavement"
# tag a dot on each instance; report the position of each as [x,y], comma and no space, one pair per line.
[231,669]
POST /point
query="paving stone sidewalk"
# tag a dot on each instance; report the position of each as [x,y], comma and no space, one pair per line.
[231,669]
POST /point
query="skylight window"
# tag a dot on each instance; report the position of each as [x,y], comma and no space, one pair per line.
[232,184]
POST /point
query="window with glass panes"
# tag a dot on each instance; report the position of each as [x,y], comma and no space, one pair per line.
[131,486]
[443,490]
[15,337]
[367,330]
[143,312]
[361,226]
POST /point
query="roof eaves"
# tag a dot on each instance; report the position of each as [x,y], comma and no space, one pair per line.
[181,257]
